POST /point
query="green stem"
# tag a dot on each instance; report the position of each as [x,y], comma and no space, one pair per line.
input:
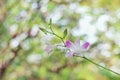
[59,38]
[56,36]
[100,66]
[51,29]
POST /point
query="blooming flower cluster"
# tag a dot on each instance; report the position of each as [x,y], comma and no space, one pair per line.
[72,48]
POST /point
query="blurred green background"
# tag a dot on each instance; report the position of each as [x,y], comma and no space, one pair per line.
[22,55]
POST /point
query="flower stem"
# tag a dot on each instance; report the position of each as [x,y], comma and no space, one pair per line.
[57,36]
[100,66]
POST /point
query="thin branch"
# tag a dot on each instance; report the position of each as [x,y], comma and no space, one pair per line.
[6,64]
[57,36]
[100,66]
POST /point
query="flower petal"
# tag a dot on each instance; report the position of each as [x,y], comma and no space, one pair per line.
[49,48]
[86,45]
[69,44]
[77,42]
[69,54]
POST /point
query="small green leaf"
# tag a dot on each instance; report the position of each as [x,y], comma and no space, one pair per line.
[50,22]
[65,33]
[43,30]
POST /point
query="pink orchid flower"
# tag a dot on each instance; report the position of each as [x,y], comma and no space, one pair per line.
[76,48]
[49,49]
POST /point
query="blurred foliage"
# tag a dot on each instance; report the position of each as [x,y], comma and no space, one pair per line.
[19,34]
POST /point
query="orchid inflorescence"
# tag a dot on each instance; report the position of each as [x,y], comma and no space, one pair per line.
[72,49]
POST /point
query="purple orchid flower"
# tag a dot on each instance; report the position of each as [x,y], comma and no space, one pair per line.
[49,49]
[75,48]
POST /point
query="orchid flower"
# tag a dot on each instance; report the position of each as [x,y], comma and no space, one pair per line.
[49,49]
[76,48]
